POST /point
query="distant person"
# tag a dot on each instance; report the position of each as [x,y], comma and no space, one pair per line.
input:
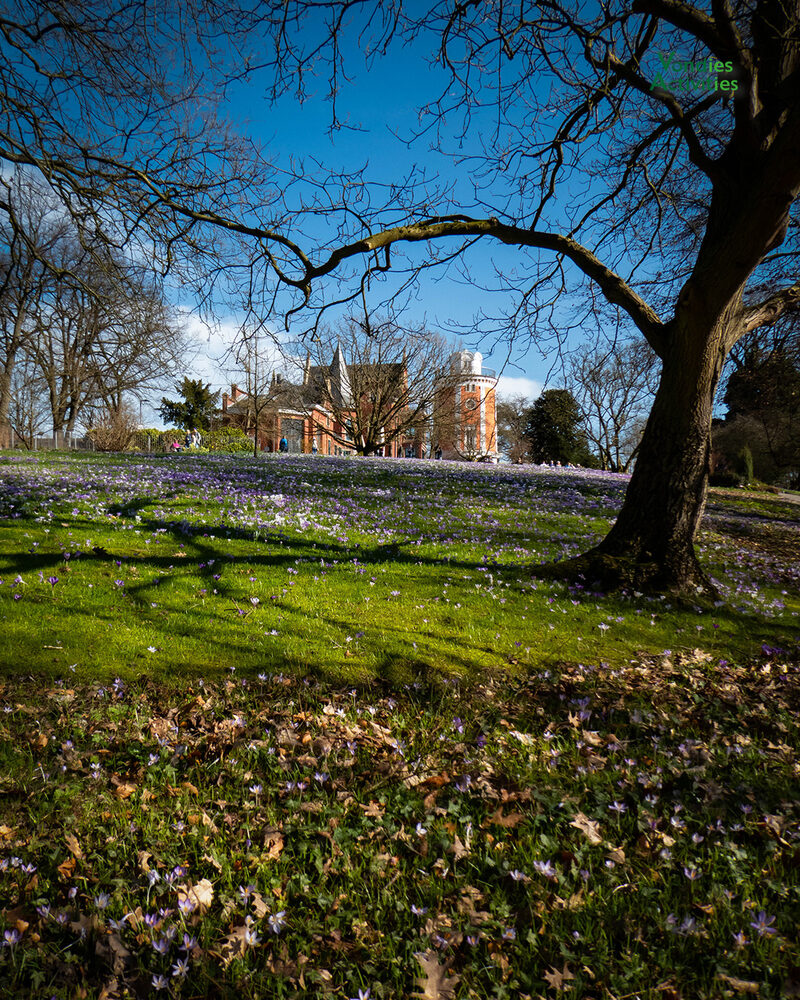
[283,445]
[196,439]
[176,446]
[313,446]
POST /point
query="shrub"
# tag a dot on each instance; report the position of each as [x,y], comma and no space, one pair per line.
[231,440]
[114,429]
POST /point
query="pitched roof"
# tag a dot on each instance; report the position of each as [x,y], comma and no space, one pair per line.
[321,383]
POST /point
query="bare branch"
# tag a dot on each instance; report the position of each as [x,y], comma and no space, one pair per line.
[614,288]
[687,18]
[772,308]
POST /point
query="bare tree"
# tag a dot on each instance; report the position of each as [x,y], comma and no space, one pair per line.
[615,390]
[67,324]
[513,415]
[95,325]
[382,382]
[30,229]
[28,413]
[144,344]
[669,189]
[254,365]
[108,336]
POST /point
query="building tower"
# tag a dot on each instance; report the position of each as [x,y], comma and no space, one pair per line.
[468,422]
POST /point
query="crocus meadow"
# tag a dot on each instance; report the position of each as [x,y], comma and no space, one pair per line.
[379,567]
[313,727]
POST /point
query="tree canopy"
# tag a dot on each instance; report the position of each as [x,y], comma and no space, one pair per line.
[762,395]
[195,410]
[555,429]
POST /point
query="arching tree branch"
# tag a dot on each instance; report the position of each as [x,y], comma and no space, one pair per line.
[772,308]
[615,289]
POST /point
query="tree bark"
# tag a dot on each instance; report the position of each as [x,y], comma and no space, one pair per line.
[12,346]
[651,544]
[5,389]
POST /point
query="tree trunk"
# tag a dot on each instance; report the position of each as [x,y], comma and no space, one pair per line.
[12,349]
[5,390]
[651,545]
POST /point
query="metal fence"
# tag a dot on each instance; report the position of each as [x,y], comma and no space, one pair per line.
[44,442]
[143,441]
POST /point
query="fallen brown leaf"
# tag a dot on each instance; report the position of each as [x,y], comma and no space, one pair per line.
[590,828]
[556,978]
[508,821]
[740,985]
[434,983]
[73,846]
[66,868]
[201,894]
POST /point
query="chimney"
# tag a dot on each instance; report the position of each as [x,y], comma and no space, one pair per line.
[224,402]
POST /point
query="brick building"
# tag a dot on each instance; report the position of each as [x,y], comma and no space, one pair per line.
[315,414]
[465,420]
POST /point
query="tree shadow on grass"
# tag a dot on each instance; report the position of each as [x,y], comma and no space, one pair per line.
[201,560]
[181,649]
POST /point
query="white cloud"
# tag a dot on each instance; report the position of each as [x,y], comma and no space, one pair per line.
[211,342]
[510,385]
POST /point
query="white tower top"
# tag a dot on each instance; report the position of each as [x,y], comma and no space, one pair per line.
[466,362]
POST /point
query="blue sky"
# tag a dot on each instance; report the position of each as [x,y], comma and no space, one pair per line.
[376,105]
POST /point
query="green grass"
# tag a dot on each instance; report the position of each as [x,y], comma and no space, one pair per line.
[439,777]
[634,829]
[361,570]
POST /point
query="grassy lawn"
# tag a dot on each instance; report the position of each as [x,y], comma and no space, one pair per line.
[119,566]
[312,727]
